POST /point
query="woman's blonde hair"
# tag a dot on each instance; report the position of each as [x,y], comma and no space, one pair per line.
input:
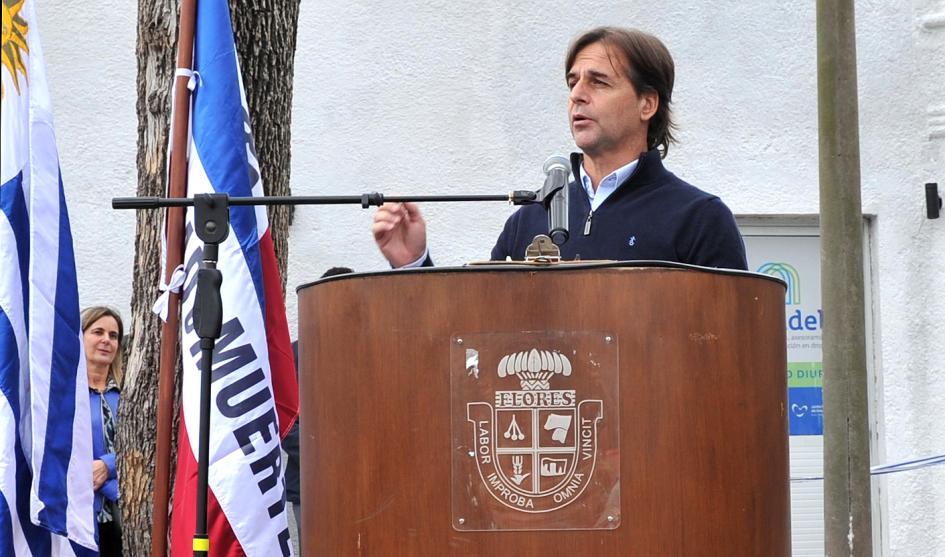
[91,315]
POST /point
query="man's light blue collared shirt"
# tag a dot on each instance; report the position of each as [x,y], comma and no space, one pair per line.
[608,185]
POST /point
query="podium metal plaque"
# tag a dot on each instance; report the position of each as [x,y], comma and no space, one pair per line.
[535,431]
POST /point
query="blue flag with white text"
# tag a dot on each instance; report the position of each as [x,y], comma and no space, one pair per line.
[45,431]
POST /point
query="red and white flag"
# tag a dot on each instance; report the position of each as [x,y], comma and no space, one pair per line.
[254,392]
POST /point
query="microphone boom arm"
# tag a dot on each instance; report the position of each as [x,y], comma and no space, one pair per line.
[366,200]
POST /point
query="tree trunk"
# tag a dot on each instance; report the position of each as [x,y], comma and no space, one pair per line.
[265,32]
[155,50]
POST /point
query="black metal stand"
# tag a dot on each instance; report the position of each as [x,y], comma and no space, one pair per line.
[366,200]
[212,223]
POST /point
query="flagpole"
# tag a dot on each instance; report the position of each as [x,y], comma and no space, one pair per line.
[175,254]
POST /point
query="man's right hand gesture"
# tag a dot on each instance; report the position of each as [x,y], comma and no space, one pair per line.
[400,233]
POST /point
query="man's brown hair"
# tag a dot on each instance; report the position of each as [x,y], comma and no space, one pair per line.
[650,68]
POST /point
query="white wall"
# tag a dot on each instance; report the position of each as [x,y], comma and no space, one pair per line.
[90,58]
[408,97]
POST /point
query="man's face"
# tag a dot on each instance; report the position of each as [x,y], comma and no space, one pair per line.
[607,116]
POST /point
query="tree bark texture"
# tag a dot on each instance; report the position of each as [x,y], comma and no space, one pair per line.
[155,52]
[265,32]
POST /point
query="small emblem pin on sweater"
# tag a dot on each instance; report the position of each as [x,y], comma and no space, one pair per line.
[632,241]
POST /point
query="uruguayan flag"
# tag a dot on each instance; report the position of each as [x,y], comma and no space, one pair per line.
[45,431]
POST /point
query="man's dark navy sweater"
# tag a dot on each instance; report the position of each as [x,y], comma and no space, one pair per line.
[653,215]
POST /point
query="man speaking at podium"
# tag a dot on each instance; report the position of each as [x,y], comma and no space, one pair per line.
[624,205]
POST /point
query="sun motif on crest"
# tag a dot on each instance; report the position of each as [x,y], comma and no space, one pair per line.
[14,42]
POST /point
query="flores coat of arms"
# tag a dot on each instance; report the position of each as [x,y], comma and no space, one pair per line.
[535,446]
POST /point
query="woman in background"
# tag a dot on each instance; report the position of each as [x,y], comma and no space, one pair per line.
[102,334]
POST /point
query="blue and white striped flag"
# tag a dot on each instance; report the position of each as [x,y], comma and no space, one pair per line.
[45,430]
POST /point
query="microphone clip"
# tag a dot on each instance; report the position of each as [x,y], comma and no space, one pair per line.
[547,193]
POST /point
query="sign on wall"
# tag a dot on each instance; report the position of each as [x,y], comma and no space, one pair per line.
[796,261]
[793,255]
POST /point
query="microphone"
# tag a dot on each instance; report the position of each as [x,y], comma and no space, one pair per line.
[554,195]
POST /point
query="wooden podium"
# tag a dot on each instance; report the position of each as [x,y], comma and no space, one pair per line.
[589,409]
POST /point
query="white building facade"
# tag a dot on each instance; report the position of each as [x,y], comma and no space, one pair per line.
[431,97]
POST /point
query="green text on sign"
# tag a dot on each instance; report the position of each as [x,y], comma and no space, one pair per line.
[805,374]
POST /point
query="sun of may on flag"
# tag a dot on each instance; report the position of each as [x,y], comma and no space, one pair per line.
[46,507]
